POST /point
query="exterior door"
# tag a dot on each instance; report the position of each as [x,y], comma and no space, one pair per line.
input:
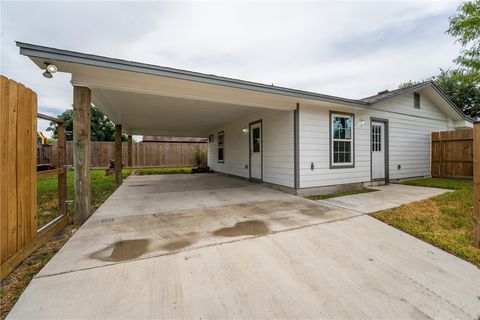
[378,150]
[256,149]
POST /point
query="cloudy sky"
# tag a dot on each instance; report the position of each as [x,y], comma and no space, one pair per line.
[348,48]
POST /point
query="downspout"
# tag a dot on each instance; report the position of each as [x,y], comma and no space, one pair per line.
[296,147]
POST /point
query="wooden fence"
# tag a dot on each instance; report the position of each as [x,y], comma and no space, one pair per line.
[18,177]
[145,154]
[452,154]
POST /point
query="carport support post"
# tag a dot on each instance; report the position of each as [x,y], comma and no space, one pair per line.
[118,154]
[130,156]
[476,183]
[81,152]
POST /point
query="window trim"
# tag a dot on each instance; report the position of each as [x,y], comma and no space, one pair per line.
[415,96]
[330,135]
[223,146]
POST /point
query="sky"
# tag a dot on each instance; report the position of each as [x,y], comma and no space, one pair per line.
[345,48]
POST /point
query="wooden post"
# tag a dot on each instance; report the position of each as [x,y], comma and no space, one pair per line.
[62,177]
[118,154]
[476,183]
[81,152]
[130,156]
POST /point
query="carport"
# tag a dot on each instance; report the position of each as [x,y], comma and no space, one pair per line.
[143,99]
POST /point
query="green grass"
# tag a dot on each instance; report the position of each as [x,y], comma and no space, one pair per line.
[339,194]
[445,221]
[149,171]
[454,184]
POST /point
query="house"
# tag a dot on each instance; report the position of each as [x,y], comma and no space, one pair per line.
[338,144]
[297,141]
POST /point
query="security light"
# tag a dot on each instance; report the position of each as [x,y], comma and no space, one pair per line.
[52,68]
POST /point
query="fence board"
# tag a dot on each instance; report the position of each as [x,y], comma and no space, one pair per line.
[4,147]
[10,167]
[452,153]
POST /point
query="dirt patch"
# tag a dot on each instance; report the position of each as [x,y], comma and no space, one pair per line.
[122,250]
[176,245]
[13,285]
[244,228]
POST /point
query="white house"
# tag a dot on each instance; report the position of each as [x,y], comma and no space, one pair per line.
[323,144]
[301,142]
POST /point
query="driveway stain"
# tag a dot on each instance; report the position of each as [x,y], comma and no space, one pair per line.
[244,228]
[122,250]
[176,245]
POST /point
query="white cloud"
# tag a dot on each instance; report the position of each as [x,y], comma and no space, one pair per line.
[350,49]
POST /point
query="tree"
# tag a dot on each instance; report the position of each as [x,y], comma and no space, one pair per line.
[463,92]
[102,128]
[465,26]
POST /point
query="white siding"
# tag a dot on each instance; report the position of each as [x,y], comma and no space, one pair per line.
[278,160]
[409,141]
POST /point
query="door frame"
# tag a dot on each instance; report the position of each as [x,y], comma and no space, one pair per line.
[250,148]
[386,147]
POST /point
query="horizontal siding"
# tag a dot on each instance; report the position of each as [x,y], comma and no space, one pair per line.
[409,131]
[278,160]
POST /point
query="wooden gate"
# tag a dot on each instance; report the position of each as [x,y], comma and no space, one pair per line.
[452,154]
[18,177]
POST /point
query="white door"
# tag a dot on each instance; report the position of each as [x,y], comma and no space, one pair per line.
[256,150]
[378,150]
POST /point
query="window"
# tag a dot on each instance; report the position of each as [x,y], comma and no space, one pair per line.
[221,154]
[376,138]
[256,139]
[416,100]
[341,138]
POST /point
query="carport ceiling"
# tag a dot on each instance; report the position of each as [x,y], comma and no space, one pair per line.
[148,114]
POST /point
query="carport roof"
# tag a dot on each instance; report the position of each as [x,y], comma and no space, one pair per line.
[117,84]
[48,53]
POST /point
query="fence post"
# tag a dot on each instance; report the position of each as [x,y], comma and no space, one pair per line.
[118,154]
[130,158]
[62,177]
[476,183]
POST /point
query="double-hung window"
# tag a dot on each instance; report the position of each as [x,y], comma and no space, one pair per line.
[341,140]
[220,142]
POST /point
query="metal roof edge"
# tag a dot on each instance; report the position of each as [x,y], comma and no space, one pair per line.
[420,86]
[37,51]
[450,102]
[399,93]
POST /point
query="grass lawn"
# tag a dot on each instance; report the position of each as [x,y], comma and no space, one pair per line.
[339,194]
[445,221]
[47,193]
[47,201]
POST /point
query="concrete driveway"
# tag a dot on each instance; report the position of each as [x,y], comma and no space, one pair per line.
[209,246]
